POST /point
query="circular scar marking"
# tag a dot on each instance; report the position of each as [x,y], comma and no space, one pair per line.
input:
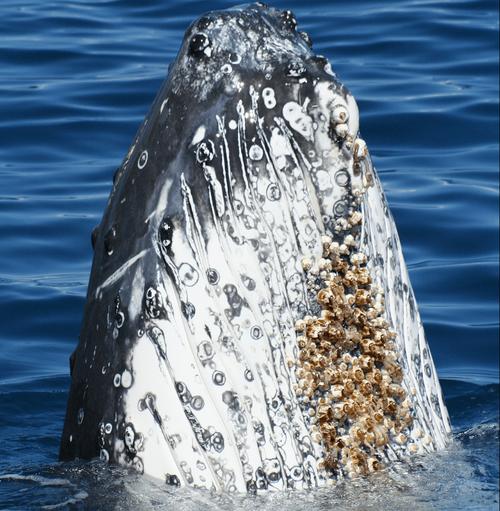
[233,124]
[117,380]
[234,58]
[212,276]
[120,319]
[143,159]
[238,207]
[255,152]
[205,351]
[197,402]
[342,177]
[256,332]
[269,98]
[219,378]
[273,192]
[340,208]
[126,379]
[188,275]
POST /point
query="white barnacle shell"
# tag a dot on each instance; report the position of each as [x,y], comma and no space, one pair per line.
[349,240]
[360,149]
[344,249]
[324,264]
[356,218]
[341,130]
[340,115]
[306,264]
[413,448]
[326,240]
[401,439]
[358,258]
[334,248]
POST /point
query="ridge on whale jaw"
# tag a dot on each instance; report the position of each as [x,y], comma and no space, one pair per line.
[249,321]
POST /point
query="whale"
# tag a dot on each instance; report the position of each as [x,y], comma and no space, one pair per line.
[249,322]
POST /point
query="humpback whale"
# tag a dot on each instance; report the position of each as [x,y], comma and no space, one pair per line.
[249,321]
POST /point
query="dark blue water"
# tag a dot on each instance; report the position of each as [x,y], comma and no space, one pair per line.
[77,78]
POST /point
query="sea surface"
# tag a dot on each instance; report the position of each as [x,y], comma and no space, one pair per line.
[77,78]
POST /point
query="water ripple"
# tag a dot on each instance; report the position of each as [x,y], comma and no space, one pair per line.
[79,76]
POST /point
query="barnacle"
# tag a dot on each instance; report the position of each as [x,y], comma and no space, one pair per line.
[348,371]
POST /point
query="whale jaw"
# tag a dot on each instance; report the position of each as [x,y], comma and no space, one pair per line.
[249,322]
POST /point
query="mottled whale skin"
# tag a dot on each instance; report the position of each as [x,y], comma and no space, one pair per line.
[246,192]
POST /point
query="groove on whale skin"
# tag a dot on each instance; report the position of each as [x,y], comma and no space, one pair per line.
[242,205]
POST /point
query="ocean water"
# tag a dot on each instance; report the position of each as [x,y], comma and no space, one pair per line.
[77,78]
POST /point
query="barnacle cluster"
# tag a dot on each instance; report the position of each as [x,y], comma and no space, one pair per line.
[348,375]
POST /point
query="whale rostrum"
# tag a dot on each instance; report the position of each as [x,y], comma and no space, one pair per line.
[249,321]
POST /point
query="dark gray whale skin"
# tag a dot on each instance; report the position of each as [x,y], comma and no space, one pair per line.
[183,184]
[192,101]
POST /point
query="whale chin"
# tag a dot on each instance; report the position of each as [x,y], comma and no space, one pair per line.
[249,321]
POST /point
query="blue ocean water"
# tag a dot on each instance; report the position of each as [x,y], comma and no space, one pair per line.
[76,79]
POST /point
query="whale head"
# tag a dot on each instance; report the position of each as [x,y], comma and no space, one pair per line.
[249,321]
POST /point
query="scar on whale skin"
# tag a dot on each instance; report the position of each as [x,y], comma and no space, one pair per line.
[250,324]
